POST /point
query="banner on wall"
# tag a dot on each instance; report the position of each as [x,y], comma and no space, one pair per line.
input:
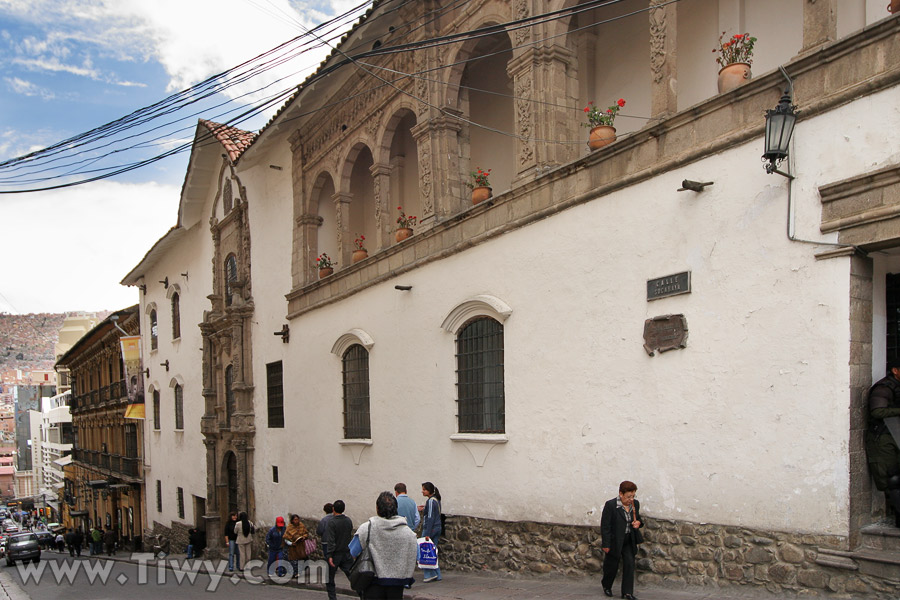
[134,376]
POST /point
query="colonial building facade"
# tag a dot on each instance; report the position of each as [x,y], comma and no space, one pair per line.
[514,351]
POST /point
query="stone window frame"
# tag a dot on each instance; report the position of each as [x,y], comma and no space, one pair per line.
[354,337]
[156,407]
[230,270]
[153,327]
[177,385]
[174,296]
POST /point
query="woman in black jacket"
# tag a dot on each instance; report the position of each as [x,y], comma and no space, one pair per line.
[620,534]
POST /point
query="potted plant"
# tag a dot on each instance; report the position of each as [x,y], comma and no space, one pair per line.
[325,265]
[481,187]
[601,123]
[359,252]
[734,56]
[405,225]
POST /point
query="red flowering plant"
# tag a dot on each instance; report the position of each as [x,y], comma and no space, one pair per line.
[737,49]
[405,222]
[359,242]
[324,262]
[597,117]
[479,178]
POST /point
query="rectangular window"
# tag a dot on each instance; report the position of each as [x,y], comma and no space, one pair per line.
[479,377]
[156,411]
[275,394]
[179,407]
[158,496]
[180,497]
[131,440]
[355,366]
[274,474]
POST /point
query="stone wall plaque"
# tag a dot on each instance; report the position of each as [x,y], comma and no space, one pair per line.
[670,285]
[667,332]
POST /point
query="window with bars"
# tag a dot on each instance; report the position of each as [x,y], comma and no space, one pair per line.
[179,407]
[275,394]
[479,377]
[230,277]
[356,393]
[176,316]
[229,394]
[158,496]
[131,440]
[156,409]
[179,496]
[154,330]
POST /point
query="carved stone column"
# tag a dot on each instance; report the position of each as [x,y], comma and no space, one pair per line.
[381,182]
[663,53]
[301,266]
[212,497]
[243,495]
[303,269]
[438,148]
[819,23]
[342,223]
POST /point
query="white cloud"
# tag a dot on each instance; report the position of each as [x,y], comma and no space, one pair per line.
[27,88]
[68,249]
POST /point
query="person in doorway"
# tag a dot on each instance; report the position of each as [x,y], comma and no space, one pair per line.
[231,540]
[245,531]
[620,525]
[406,506]
[275,544]
[881,446]
[393,548]
[336,542]
[295,540]
[432,527]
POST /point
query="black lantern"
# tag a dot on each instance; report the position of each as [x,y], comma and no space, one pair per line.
[779,127]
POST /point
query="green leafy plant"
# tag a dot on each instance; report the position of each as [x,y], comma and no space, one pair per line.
[324,262]
[359,242]
[479,178]
[737,49]
[597,117]
[405,222]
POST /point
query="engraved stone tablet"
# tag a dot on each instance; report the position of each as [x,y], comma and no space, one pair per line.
[670,285]
[667,332]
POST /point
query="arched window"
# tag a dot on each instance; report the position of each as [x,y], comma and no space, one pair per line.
[356,393]
[229,394]
[154,331]
[156,411]
[230,277]
[479,377]
[179,407]
[176,316]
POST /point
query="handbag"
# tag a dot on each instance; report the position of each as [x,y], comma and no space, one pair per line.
[363,570]
[310,546]
[427,557]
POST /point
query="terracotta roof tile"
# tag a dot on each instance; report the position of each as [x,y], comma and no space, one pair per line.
[233,139]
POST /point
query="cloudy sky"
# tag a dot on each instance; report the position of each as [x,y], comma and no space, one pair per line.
[70,66]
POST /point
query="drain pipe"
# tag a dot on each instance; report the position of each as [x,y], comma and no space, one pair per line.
[790,178]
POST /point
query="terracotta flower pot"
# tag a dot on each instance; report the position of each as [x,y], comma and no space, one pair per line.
[894,7]
[733,76]
[602,135]
[359,255]
[403,233]
[480,194]
[325,272]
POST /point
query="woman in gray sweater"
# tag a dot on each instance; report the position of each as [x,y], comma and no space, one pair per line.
[393,548]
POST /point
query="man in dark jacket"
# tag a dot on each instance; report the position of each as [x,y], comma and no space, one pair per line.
[79,542]
[620,535]
[70,542]
[336,541]
[881,447]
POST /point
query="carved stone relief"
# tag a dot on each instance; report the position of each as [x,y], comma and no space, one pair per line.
[522,11]
[425,179]
[524,119]
[657,40]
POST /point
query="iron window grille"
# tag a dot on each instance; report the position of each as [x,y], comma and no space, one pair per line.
[275,394]
[176,316]
[154,331]
[179,407]
[180,497]
[481,403]
[230,277]
[356,393]
[158,496]
[156,409]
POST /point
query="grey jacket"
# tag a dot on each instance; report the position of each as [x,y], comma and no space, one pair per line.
[393,548]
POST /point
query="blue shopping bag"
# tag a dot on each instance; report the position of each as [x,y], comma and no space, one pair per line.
[427,558]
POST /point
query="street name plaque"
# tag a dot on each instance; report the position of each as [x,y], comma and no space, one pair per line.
[664,333]
[670,285]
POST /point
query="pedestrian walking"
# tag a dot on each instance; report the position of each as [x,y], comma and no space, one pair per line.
[392,547]
[620,525]
[231,540]
[245,530]
[60,542]
[275,545]
[432,526]
[295,540]
[323,523]
[70,542]
[79,542]
[96,542]
[109,538]
[338,533]
[406,506]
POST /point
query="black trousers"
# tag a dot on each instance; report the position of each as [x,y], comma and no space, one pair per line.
[378,592]
[611,566]
[343,562]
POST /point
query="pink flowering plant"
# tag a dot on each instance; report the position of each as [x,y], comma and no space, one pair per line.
[597,117]
[360,242]
[737,49]
[404,221]
[479,178]
[324,262]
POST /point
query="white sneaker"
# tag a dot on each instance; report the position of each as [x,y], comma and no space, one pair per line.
[432,578]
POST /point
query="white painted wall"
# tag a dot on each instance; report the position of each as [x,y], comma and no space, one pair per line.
[753,410]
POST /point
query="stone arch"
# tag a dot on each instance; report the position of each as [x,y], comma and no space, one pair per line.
[321,204]
[399,151]
[352,337]
[357,183]
[477,306]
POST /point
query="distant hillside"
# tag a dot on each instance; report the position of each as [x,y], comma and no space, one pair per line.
[27,341]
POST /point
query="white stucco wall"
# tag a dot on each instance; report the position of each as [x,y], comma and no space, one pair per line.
[753,410]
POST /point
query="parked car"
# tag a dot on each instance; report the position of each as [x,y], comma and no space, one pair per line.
[11,529]
[24,547]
